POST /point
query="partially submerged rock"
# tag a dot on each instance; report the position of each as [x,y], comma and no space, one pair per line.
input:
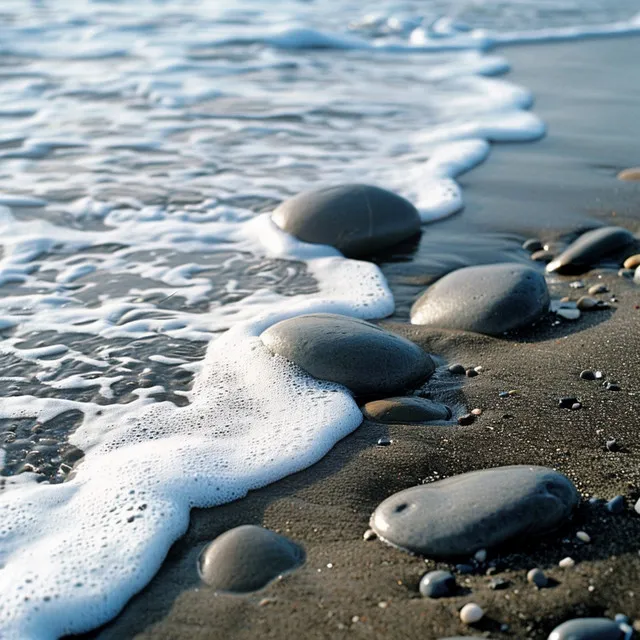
[362,356]
[488,299]
[591,248]
[357,219]
[478,510]
[247,558]
[406,410]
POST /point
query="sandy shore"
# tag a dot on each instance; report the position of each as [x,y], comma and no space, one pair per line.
[558,185]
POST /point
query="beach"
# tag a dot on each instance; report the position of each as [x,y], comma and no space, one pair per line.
[350,587]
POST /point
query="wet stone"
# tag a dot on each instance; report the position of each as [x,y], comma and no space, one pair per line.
[497,584]
[457,369]
[587,374]
[588,629]
[532,245]
[626,273]
[586,303]
[630,174]
[611,386]
[247,558]
[356,219]
[636,507]
[489,299]
[590,248]
[597,289]
[406,410]
[438,584]
[383,442]
[612,445]
[616,504]
[632,262]
[357,354]
[466,419]
[471,373]
[537,578]
[477,510]
[567,402]
[542,256]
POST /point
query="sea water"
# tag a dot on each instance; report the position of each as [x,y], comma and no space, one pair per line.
[142,147]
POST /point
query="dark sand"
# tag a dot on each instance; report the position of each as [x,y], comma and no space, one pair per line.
[586,95]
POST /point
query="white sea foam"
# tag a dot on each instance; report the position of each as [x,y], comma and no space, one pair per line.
[72,554]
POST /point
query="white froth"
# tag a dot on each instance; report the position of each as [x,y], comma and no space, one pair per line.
[72,554]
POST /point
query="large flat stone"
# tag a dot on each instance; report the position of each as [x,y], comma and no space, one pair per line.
[479,510]
[357,219]
[361,356]
[591,248]
[406,410]
[588,629]
[488,299]
[247,558]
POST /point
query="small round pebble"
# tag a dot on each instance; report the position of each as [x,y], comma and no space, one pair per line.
[612,386]
[537,577]
[599,375]
[586,303]
[464,569]
[503,394]
[632,262]
[583,536]
[457,369]
[575,406]
[616,504]
[577,284]
[478,369]
[567,563]
[567,402]
[626,273]
[476,412]
[568,314]
[471,613]
[636,507]
[471,373]
[633,173]
[466,419]
[595,289]
[480,556]
[438,584]
[532,245]
[587,374]
[612,445]
[542,256]
[369,534]
[495,584]
[384,442]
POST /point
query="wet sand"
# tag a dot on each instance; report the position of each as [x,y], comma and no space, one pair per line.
[561,184]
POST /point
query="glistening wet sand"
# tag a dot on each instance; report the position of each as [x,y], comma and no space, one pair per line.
[556,186]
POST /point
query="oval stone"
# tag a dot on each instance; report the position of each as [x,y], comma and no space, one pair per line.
[359,355]
[247,558]
[356,219]
[488,299]
[590,248]
[406,410]
[477,510]
[588,629]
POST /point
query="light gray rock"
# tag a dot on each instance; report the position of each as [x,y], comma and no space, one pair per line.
[588,629]
[406,410]
[590,248]
[357,219]
[247,558]
[488,299]
[477,510]
[361,356]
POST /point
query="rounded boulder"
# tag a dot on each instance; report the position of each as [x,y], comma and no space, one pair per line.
[359,355]
[247,558]
[478,510]
[489,299]
[356,219]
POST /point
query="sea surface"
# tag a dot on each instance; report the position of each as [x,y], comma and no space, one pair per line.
[142,146]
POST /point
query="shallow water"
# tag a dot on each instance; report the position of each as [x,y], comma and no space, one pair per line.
[139,146]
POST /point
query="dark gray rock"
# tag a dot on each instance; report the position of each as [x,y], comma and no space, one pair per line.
[590,248]
[247,558]
[357,219]
[616,505]
[478,510]
[406,410]
[487,299]
[361,356]
[588,629]
[438,584]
